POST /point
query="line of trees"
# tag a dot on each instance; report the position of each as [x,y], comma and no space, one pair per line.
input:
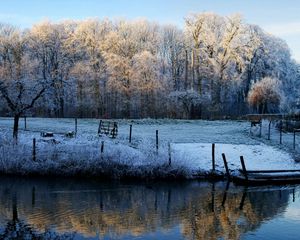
[137,69]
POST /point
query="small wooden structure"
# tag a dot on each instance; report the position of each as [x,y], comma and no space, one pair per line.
[47,134]
[259,117]
[108,128]
[256,119]
[265,177]
[70,134]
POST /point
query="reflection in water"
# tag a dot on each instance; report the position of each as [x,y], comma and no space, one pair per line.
[67,209]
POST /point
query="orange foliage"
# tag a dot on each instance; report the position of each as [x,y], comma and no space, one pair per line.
[266,91]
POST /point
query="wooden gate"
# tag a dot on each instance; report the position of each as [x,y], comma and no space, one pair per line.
[108,128]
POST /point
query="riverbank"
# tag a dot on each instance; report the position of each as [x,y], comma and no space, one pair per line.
[184,150]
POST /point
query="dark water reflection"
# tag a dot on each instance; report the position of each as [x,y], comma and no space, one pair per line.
[72,209]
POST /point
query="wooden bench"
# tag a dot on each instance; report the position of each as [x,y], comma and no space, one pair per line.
[108,128]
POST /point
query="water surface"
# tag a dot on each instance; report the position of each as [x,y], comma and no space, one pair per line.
[84,209]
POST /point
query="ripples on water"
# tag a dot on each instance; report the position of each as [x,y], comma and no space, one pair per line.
[73,209]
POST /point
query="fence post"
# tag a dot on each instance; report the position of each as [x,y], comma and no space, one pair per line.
[269,132]
[213,156]
[99,127]
[260,127]
[130,133]
[280,132]
[75,127]
[169,151]
[244,167]
[34,149]
[226,166]
[156,140]
[25,122]
[102,147]
[294,142]
[101,150]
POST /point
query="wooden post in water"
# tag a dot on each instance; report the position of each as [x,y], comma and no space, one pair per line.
[226,166]
[33,196]
[269,132]
[169,151]
[225,193]
[244,167]
[130,133]
[25,122]
[213,197]
[75,127]
[213,157]
[280,194]
[34,149]
[293,194]
[156,140]
[243,199]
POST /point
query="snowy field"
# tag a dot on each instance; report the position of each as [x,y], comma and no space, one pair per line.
[190,148]
[181,131]
[257,157]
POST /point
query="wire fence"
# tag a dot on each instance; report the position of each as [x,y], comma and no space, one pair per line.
[278,132]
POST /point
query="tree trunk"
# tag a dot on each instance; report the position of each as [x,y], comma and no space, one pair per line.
[16,127]
[217,93]
[186,74]
[199,77]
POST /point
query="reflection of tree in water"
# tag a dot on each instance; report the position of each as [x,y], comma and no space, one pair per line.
[240,213]
[17,229]
[115,209]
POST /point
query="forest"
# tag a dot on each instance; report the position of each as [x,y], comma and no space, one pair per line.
[213,67]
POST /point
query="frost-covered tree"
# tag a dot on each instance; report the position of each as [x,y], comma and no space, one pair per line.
[146,81]
[125,68]
[172,52]
[195,27]
[221,46]
[188,100]
[89,37]
[46,42]
[20,83]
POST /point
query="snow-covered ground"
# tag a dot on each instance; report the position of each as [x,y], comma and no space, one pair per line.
[183,131]
[190,147]
[257,157]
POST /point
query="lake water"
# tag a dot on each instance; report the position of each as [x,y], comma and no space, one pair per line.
[84,209]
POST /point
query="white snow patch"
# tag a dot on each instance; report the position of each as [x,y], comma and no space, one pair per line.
[257,157]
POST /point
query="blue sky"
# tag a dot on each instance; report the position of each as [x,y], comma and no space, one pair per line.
[280,17]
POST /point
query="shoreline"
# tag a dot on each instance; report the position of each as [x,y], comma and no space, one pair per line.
[187,143]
